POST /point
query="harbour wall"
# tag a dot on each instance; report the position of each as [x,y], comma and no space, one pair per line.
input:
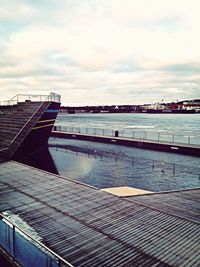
[144,144]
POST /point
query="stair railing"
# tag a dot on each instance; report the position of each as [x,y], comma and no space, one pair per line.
[10,102]
[27,122]
[6,148]
[49,97]
[23,97]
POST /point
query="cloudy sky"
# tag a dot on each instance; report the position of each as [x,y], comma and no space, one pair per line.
[101,51]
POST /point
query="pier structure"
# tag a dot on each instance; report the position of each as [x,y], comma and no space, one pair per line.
[80,225]
[188,149]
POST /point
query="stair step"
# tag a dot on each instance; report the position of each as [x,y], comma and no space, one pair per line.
[17,122]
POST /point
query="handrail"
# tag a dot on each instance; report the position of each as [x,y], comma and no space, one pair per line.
[60,259]
[23,97]
[157,136]
[8,102]
[51,95]
[27,122]
[23,127]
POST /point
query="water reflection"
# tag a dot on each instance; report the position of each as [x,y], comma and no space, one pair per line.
[104,169]
[105,166]
[71,163]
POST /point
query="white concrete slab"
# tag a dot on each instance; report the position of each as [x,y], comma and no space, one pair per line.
[125,191]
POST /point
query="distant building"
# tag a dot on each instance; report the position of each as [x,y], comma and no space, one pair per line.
[192,104]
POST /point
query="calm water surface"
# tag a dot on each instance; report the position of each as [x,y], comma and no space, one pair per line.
[107,165]
[103,165]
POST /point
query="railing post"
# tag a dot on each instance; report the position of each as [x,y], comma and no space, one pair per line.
[133,134]
[13,241]
[145,135]
[172,138]
[94,131]
[189,139]
[174,169]
[158,136]
[59,263]
[153,165]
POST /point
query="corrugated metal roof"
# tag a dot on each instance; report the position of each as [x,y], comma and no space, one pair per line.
[184,204]
[89,227]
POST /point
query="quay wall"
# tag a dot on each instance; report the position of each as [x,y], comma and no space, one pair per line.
[144,144]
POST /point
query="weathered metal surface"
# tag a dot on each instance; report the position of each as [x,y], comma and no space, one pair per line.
[89,227]
[184,204]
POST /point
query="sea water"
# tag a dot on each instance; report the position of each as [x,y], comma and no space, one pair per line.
[178,128]
[165,122]
[108,165]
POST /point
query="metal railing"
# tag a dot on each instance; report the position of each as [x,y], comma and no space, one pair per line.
[8,102]
[139,163]
[156,136]
[50,97]
[29,97]
[27,122]
[6,148]
[15,230]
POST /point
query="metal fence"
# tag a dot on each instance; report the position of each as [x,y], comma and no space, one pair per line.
[141,165]
[159,136]
[23,97]
[24,249]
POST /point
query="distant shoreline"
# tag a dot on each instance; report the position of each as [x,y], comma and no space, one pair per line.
[181,107]
[133,112]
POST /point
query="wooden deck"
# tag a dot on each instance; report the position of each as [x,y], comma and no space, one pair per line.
[89,227]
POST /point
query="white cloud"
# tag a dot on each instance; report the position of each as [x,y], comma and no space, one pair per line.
[11,10]
[115,50]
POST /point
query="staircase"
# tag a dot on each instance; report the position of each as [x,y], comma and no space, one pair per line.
[16,122]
